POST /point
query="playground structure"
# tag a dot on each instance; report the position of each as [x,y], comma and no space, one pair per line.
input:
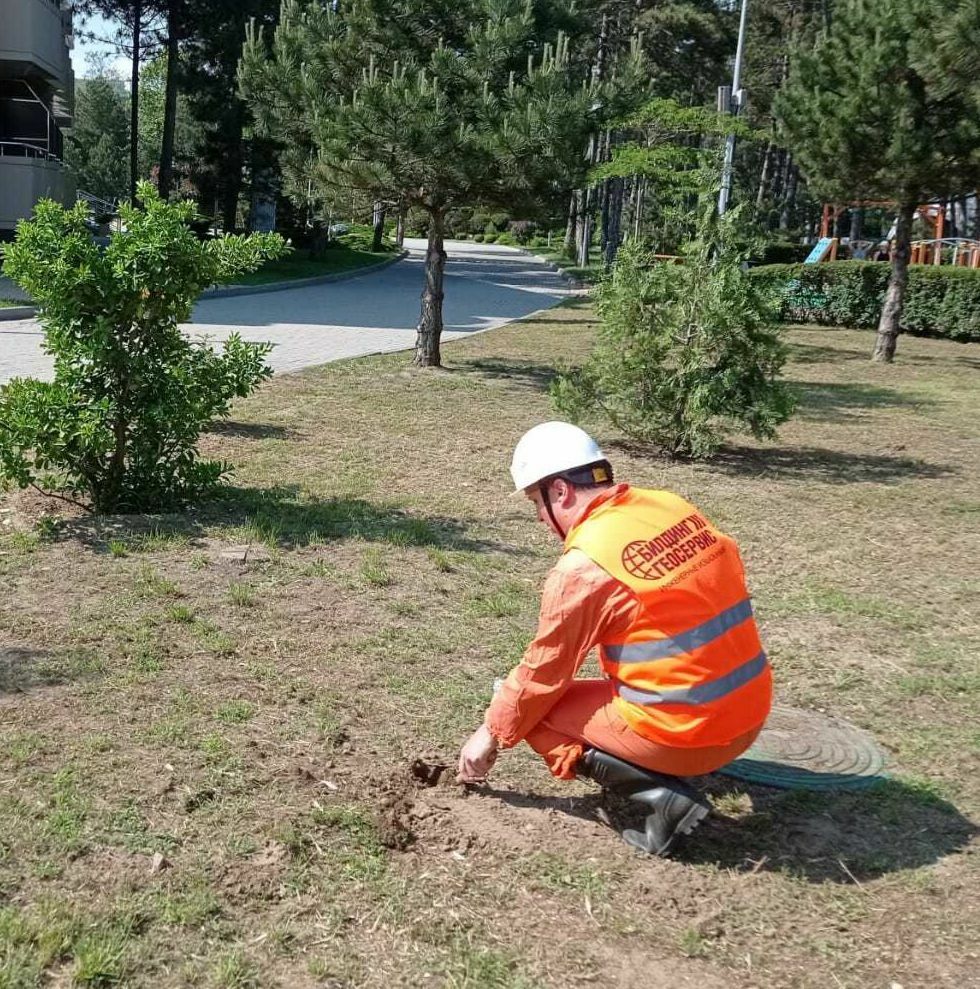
[963,252]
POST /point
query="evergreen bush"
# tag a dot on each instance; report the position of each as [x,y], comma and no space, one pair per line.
[686,353]
[499,221]
[479,219]
[119,424]
[522,230]
[940,301]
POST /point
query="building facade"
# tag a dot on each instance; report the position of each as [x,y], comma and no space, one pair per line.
[36,99]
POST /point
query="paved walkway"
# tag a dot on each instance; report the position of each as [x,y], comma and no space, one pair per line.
[486,286]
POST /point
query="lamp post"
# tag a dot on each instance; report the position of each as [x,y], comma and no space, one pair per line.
[732,101]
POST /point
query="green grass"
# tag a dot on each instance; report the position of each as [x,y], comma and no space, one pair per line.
[374,568]
[557,873]
[505,601]
[180,614]
[242,595]
[151,584]
[212,638]
[234,971]
[586,275]
[347,255]
[235,712]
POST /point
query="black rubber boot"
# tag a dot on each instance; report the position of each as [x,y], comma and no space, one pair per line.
[674,807]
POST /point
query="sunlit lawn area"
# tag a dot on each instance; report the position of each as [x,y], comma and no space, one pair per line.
[207,721]
[337,258]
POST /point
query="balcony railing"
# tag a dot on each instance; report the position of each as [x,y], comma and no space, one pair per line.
[21,149]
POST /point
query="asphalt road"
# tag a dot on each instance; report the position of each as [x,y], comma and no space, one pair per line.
[486,286]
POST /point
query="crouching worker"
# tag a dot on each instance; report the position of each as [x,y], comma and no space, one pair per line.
[647,579]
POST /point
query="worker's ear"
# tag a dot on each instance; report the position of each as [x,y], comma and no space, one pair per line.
[564,492]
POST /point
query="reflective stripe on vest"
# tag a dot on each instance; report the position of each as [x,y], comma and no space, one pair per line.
[700,635]
[701,693]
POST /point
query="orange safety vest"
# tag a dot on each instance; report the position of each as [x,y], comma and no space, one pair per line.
[690,671]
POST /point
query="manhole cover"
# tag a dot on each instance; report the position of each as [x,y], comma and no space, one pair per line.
[803,750]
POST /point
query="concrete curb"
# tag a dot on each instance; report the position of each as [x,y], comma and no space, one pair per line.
[16,312]
[576,283]
[26,312]
[340,276]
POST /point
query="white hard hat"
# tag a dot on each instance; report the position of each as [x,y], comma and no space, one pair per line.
[552,448]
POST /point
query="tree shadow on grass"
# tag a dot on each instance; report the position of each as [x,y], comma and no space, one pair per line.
[825,401]
[283,517]
[527,374]
[813,353]
[23,669]
[252,430]
[807,463]
[819,464]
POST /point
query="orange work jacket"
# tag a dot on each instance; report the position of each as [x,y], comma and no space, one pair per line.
[690,670]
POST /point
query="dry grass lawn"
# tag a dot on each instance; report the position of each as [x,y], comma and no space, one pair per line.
[206,751]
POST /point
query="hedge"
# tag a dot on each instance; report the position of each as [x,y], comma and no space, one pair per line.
[941,301]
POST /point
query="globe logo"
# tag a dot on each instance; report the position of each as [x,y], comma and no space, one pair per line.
[638,561]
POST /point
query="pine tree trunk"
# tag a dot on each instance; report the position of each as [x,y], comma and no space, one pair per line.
[134,101]
[586,232]
[379,227]
[777,176]
[232,175]
[857,224]
[568,248]
[641,198]
[229,199]
[169,104]
[789,200]
[605,197]
[430,319]
[582,205]
[400,229]
[615,212]
[891,312]
[760,196]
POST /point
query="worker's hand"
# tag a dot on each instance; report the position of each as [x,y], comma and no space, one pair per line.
[477,756]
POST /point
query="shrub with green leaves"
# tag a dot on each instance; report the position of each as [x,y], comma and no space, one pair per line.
[940,300]
[118,427]
[686,352]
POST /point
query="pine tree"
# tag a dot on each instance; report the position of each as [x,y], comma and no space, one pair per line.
[136,37]
[765,169]
[426,104]
[685,353]
[224,147]
[873,111]
[99,132]
[188,131]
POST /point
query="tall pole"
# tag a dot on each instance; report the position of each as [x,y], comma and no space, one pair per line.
[134,102]
[736,101]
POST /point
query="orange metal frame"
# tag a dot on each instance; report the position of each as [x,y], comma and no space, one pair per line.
[923,251]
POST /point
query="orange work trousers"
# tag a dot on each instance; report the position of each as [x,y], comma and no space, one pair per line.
[585,717]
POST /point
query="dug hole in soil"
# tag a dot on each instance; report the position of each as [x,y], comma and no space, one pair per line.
[421,808]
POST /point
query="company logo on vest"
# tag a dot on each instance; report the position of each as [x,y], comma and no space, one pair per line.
[651,559]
